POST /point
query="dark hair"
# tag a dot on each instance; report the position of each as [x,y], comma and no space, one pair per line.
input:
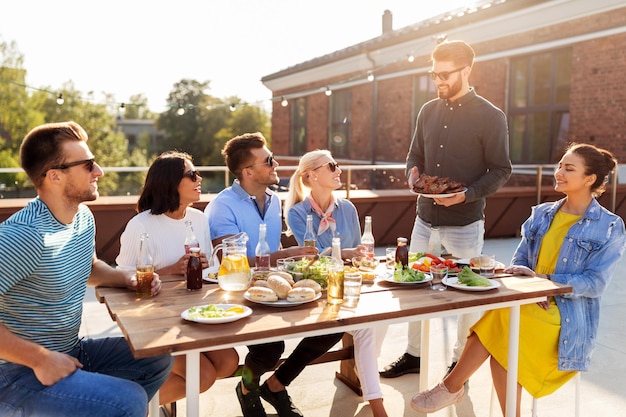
[42,148]
[458,52]
[160,191]
[237,153]
[598,161]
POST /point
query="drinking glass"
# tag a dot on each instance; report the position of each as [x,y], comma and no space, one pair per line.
[351,288]
[487,265]
[438,272]
[390,259]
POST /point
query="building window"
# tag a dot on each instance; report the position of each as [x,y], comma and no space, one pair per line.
[340,123]
[424,90]
[539,106]
[298,126]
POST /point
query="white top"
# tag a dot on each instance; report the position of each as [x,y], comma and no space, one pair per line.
[166,237]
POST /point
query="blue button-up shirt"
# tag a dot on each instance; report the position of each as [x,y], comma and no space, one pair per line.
[587,260]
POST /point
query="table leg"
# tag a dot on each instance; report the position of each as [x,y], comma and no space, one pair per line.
[424,355]
[193,384]
[511,376]
[153,406]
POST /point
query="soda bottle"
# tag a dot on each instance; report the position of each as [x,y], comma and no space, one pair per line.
[367,239]
[190,238]
[262,251]
[335,274]
[193,274]
[144,268]
[310,239]
[402,252]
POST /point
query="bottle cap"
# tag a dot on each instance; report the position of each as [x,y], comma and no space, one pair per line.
[194,250]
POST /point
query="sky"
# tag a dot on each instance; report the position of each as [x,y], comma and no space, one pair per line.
[130,47]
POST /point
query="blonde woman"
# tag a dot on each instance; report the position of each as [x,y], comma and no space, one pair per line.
[311,192]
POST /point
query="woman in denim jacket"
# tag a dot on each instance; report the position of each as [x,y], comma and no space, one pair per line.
[574,241]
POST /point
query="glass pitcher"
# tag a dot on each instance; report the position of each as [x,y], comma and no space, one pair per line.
[234,272]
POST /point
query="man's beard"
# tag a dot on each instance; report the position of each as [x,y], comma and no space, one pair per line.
[452,90]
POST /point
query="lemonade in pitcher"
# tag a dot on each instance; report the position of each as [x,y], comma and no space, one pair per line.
[234,273]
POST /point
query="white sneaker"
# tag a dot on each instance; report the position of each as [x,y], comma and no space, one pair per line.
[436,399]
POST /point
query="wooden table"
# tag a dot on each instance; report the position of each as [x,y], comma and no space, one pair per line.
[153,326]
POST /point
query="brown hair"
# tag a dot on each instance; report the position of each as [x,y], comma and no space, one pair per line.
[236,151]
[41,148]
[160,190]
[458,52]
[598,161]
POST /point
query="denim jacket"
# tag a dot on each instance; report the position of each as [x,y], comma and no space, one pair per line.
[587,260]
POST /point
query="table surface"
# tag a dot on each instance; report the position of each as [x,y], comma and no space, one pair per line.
[154,325]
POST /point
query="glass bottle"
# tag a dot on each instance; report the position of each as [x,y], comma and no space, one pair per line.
[310,239]
[193,275]
[402,252]
[262,251]
[144,268]
[190,238]
[434,242]
[367,239]
[335,274]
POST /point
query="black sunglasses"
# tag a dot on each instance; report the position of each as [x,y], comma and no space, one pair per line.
[89,164]
[443,75]
[332,165]
[193,175]
[269,162]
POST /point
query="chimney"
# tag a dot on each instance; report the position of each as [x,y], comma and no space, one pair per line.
[387,22]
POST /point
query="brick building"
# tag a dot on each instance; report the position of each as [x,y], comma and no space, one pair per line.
[556,68]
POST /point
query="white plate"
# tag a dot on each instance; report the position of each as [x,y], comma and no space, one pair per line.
[280,302]
[467,261]
[444,195]
[217,320]
[210,270]
[454,283]
[427,278]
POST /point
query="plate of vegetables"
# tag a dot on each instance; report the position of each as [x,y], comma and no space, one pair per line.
[408,276]
[468,280]
[216,313]
[424,262]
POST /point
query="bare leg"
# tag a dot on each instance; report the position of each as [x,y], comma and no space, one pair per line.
[214,364]
[378,409]
[498,374]
[473,356]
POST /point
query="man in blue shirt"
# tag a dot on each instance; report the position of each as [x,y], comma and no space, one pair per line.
[241,208]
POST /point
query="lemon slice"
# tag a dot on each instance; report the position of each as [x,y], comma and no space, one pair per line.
[235,310]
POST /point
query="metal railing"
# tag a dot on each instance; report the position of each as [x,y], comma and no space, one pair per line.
[538,171]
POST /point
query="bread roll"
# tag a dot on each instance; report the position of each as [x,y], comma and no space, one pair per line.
[260,283]
[285,275]
[308,283]
[301,294]
[262,294]
[280,285]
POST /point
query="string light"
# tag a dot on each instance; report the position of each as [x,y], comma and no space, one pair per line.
[60,99]
[411,58]
[233,107]
[122,108]
[370,76]
[284,102]
[181,110]
[328,92]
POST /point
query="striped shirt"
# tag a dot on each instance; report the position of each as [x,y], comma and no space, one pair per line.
[44,267]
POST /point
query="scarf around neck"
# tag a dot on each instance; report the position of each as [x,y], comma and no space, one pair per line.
[326,216]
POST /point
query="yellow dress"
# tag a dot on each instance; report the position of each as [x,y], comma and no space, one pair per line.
[538,369]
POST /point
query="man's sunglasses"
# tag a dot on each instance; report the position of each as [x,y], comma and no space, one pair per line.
[443,75]
[89,164]
[269,162]
[332,165]
[193,175]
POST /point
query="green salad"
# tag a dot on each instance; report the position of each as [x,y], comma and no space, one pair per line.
[318,272]
[210,311]
[407,274]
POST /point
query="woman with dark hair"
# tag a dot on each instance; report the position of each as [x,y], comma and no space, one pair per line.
[172,185]
[573,241]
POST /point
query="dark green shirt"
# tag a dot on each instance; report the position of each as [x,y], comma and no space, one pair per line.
[466,141]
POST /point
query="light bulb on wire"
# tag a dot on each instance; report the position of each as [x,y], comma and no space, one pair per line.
[233,107]
[60,99]
[181,110]
[411,58]
[328,92]
[122,108]
[370,76]
[284,102]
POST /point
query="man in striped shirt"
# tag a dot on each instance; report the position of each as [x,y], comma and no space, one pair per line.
[47,258]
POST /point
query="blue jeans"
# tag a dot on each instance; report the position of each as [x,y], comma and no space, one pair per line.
[111,383]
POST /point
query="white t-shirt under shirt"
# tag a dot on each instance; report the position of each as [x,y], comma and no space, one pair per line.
[166,237]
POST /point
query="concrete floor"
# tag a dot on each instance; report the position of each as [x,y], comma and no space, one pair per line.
[318,394]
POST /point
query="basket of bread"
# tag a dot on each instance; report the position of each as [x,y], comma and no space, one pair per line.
[280,289]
